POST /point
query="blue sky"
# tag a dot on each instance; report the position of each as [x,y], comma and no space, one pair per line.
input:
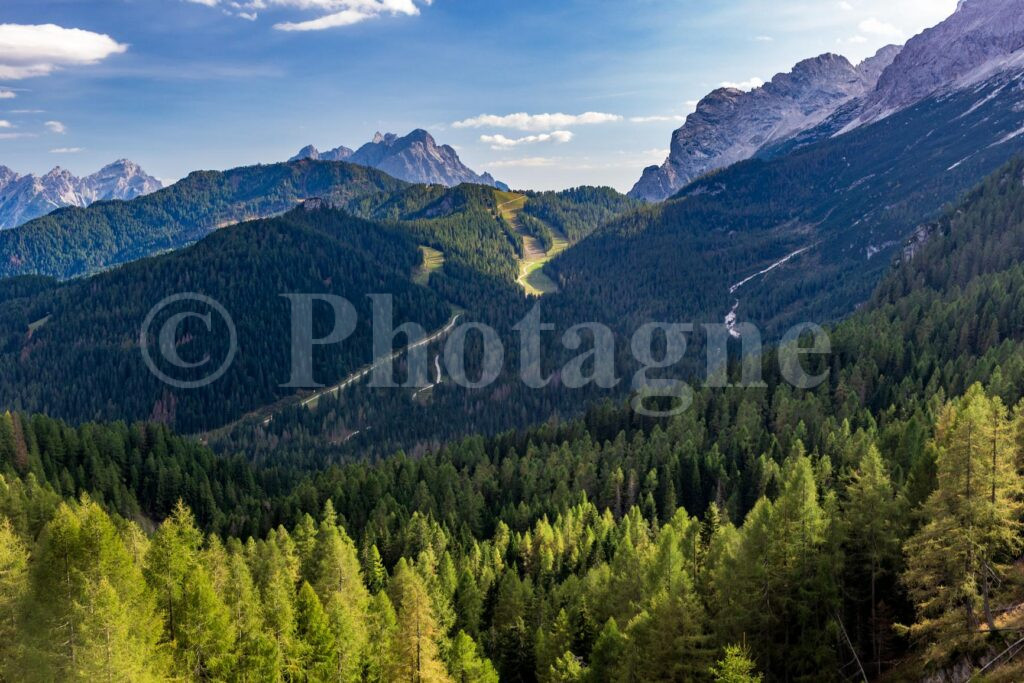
[180,85]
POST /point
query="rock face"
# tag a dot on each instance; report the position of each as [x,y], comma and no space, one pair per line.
[731,125]
[981,38]
[415,158]
[820,98]
[311,152]
[24,197]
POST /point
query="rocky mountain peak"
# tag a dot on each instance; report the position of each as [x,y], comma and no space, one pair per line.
[415,158]
[872,67]
[307,152]
[23,198]
[731,125]
[981,38]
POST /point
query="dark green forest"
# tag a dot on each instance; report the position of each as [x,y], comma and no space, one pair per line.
[869,527]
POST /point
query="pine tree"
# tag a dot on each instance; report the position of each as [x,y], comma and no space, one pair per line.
[373,569]
[305,547]
[778,589]
[277,591]
[567,669]
[553,644]
[205,636]
[336,564]
[348,629]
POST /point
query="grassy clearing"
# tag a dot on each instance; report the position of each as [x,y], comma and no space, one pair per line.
[532,277]
[37,324]
[433,260]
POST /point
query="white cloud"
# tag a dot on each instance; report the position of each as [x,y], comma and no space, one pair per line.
[7,94]
[875,27]
[536,122]
[333,13]
[528,162]
[764,39]
[36,50]
[56,127]
[501,142]
[66,150]
[656,119]
[845,6]
[750,84]
[6,124]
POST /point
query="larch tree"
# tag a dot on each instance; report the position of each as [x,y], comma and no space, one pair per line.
[418,636]
[382,640]
[90,615]
[317,648]
[13,587]
[972,519]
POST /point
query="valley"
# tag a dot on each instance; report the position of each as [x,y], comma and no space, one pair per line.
[532,278]
[588,480]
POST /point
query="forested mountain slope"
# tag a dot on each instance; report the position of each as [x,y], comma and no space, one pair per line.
[806,527]
[850,201]
[84,361]
[50,338]
[76,241]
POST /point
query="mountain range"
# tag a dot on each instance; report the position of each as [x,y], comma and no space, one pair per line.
[868,528]
[731,125]
[24,197]
[414,158]
[827,96]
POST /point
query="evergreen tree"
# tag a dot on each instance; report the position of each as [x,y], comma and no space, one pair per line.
[468,604]
[735,667]
[373,569]
[466,663]
[872,538]
[173,553]
[608,654]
